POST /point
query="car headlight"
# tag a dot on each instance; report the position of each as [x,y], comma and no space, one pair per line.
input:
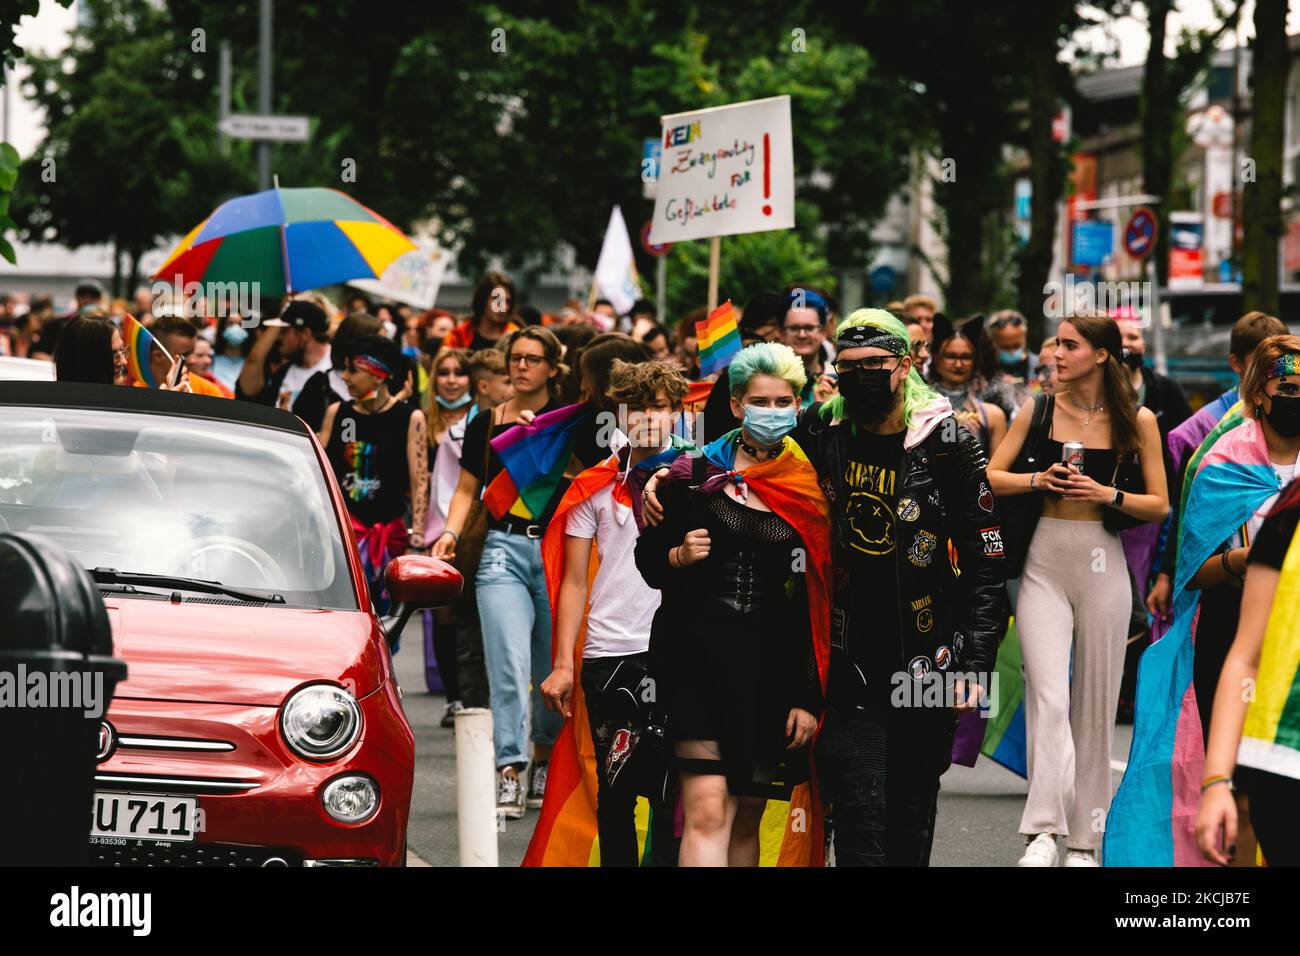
[320,721]
[350,799]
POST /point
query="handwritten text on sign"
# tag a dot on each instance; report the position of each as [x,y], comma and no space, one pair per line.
[725,171]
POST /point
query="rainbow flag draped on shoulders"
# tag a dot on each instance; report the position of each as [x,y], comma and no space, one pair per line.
[1152,819]
[566,828]
[533,457]
[719,339]
[139,343]
[1270,738]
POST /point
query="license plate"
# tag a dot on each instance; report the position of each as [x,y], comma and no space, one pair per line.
[144,816]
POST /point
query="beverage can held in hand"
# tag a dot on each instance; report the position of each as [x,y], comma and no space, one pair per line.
[1072,454]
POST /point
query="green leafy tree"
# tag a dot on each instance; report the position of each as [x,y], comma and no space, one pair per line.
[1262,203]
[127,157]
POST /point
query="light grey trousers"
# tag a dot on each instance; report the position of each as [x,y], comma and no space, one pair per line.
[1074,595]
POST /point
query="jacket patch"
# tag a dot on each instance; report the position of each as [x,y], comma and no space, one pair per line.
[921,553]
[992,541]
[908,509]
[943,657]
[924,620]
[918,667]
[986,497]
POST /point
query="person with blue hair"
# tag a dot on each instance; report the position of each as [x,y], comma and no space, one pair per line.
[804,327]
[740,640]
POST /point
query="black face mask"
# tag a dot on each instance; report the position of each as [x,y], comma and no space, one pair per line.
[1285,416]
[867,394]
[1133,359]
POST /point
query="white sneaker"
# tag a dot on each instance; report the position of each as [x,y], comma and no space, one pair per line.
[510,794]
[1081,858]
[1041,851]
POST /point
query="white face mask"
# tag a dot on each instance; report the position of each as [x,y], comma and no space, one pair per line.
[389,329]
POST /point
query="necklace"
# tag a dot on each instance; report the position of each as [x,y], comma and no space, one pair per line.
[758,454]
[1090,409]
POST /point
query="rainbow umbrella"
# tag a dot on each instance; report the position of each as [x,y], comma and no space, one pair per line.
[287,240]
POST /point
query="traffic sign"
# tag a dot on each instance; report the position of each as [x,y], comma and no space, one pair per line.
[1140,233]
[655,250]
[275,129]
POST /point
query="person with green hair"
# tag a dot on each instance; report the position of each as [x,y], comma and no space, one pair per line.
[919,600]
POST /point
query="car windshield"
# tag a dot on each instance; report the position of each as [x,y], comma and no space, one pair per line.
[198,498]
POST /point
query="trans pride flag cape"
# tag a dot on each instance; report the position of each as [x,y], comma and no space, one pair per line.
[566,829]
[1270,739]
[1152,820]
[534,457]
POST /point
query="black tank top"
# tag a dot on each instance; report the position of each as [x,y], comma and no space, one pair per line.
[1098,463]
[372,469]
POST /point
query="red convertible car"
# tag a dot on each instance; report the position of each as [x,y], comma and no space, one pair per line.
[260,723]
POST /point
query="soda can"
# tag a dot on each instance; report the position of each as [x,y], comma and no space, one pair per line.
[1072,454]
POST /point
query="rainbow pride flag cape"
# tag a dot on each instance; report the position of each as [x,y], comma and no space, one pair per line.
[139,341]
[1153,817]
[1270,738]
[566,832]
[719,339]
[534,457]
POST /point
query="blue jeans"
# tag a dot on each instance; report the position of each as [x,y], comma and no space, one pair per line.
[516,615]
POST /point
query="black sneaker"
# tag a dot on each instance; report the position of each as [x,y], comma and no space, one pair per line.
[454,707]
[537,784]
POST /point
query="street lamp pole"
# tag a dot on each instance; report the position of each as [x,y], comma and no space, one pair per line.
[264,90]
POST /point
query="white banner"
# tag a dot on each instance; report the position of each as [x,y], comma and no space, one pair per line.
[725,171]
[413,278]
[616,277]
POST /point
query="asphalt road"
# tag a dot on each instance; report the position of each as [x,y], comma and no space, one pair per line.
[979,807]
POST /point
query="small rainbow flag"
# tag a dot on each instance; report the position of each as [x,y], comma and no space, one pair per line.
[719,339]
[534,457]
[139,341]
[1004,738]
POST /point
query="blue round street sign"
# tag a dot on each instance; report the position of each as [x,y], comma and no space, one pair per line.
[883,278]
[1140,233]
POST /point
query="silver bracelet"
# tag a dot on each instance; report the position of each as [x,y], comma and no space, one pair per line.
[452,533]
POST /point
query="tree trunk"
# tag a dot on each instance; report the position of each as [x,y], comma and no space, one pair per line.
[1046,163]
[972,191]
[134,272]
[1262,200]
[117,270]
[1158,115]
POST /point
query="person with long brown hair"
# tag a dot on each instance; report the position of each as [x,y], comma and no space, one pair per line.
[1074,603]
[513,602]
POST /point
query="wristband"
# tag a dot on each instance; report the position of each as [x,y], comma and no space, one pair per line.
[452,533]
[1209,782]
[1032,479]
[1227,568]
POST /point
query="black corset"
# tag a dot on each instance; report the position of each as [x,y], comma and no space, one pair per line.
[754,556]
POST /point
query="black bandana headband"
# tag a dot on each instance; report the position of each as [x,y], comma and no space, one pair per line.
[868,336]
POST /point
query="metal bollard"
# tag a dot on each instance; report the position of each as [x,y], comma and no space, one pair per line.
[476,791]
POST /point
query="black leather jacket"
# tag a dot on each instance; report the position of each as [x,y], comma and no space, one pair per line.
[952,614]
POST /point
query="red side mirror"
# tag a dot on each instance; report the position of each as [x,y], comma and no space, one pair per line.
[419,581]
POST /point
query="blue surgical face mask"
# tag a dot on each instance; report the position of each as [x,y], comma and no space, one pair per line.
[410,351]
[1011,358]
[234,335]
[768,426]
[458,403]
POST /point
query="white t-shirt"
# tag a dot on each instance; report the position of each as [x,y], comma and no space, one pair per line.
[297,376]
[622,604]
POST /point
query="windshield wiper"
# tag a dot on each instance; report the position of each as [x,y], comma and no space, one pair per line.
[114,576]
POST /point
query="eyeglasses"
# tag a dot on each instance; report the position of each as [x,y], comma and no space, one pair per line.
[871,362]
[1015,321]
[957,358]
[532,361]
[120,353]
[803,329]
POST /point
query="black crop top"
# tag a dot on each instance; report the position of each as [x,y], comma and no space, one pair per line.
[1098,463]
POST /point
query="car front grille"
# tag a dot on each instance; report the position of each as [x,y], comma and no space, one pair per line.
[191,854]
